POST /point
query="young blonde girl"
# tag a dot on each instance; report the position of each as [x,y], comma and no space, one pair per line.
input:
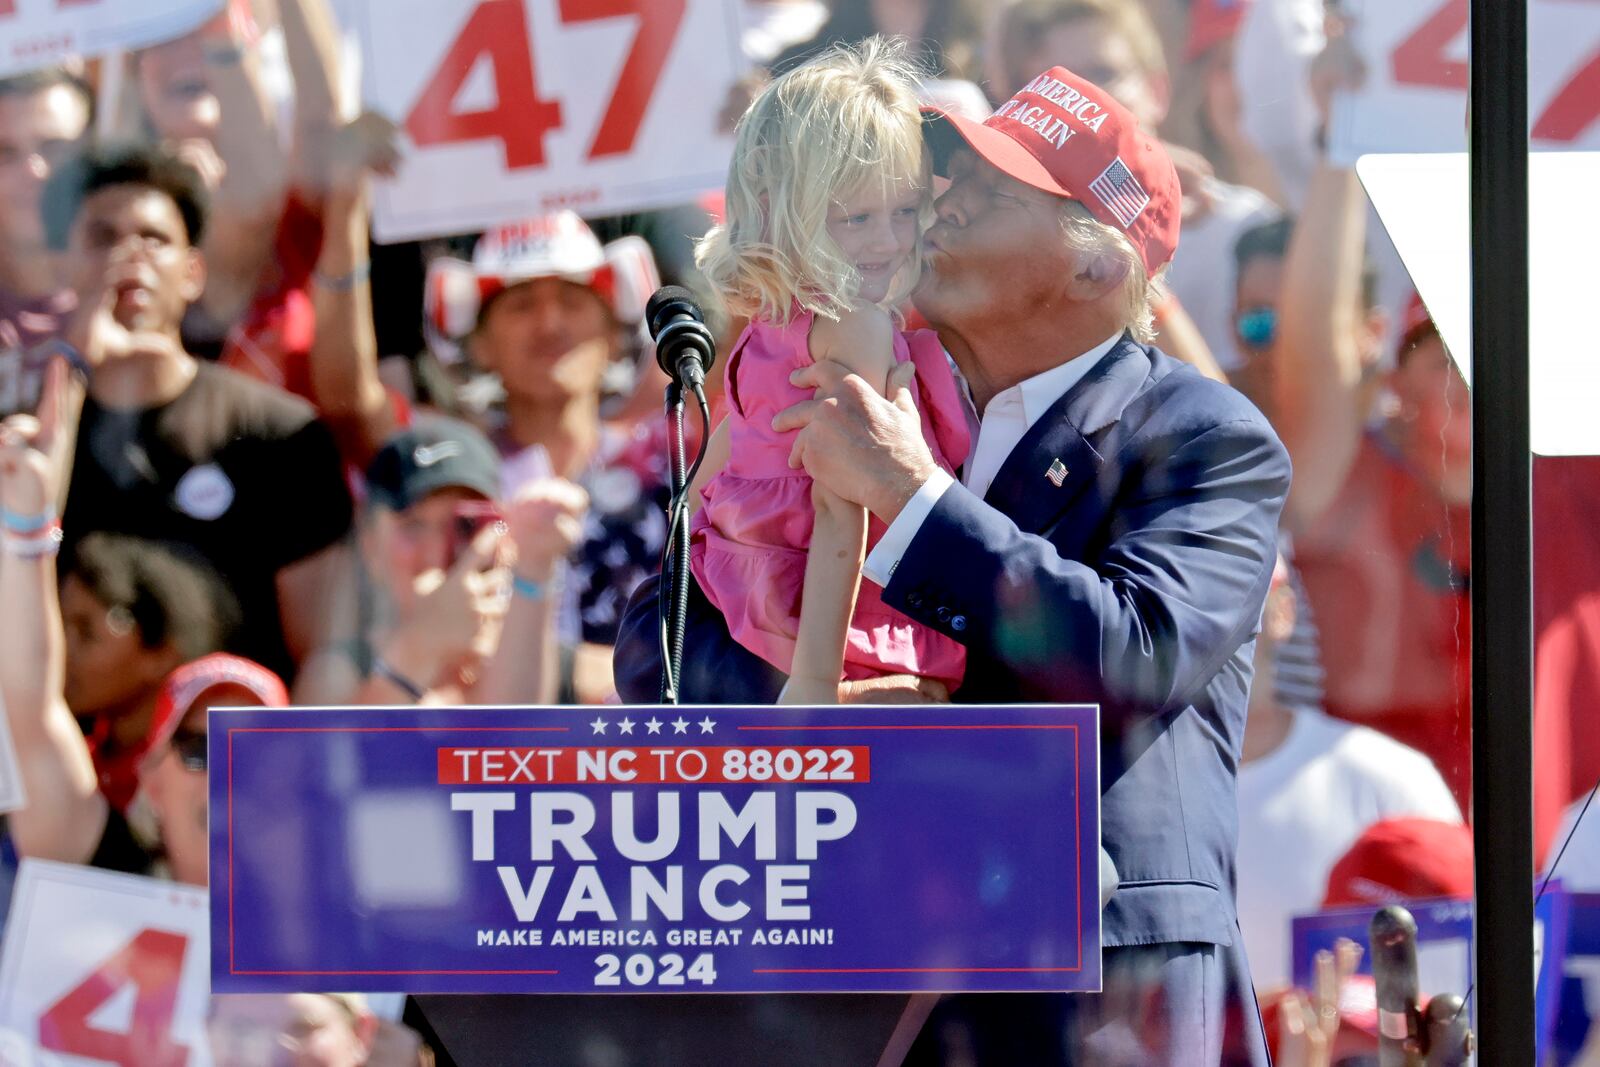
[828,195]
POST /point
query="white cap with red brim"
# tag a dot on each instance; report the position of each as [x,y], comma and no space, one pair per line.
[559,245]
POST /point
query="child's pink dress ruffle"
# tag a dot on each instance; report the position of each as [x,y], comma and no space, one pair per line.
[749,540]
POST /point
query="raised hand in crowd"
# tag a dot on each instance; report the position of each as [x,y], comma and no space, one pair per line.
[344,354]
[1309,1020]
[1326,346]
[544,521]
[450,626]
[65,812]
[111,327]
[462,588]
[1338,68]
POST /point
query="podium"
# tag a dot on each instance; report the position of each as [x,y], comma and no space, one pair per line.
[652,886]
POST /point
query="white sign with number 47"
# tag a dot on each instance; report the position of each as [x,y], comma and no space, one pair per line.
[103,968]
[518,107]
[1414,98]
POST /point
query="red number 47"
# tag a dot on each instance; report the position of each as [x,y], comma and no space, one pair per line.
[1422,59]
[152,963]
[520,118]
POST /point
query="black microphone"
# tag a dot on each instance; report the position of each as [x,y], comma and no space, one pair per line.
[684,346]
[1394,971]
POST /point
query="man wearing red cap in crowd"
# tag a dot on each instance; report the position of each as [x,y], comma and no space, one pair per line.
[1111,541]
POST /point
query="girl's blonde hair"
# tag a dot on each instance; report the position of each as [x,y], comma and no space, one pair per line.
[844,122]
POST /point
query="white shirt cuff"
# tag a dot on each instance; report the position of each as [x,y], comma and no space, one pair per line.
[885,556]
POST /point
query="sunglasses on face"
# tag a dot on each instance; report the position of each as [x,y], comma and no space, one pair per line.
[1257,327]
[190,748]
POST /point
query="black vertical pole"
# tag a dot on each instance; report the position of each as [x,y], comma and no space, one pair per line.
[1502,586]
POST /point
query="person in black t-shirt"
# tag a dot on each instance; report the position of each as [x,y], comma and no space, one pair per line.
[172,449]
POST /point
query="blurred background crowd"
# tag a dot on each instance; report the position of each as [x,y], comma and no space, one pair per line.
[303,467]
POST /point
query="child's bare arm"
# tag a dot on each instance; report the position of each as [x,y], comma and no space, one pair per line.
[827,599]
[862,340]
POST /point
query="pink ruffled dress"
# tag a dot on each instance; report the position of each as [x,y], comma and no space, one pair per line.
[750,537]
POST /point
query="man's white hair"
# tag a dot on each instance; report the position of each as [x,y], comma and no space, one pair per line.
[1087,235]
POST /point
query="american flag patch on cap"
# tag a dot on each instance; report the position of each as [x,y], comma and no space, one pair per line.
[1120,191]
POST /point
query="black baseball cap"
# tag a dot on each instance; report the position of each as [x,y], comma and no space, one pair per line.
[433,453]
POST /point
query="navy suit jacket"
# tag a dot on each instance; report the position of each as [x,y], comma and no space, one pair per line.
[1136,584]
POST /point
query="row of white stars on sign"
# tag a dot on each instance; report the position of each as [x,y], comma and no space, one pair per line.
[653,725]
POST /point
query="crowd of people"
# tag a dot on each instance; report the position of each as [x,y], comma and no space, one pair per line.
[249,457]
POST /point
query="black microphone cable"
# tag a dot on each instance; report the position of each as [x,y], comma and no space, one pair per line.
[674,589]
[685,350]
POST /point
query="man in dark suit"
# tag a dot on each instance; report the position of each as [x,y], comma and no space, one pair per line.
[1111,541]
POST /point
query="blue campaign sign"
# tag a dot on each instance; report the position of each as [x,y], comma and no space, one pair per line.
[639,849]
[1444,946]
[1580,984]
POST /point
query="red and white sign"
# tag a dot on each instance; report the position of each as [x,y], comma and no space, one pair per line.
[517,107]
[1415,95]
[103,968]
[42,33]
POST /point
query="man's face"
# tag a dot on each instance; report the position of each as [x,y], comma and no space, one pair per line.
[1099,53]
[176,92]
[424,537]
[38,132]
[1437,408]
[1255,325]
[107,665]
[994,252]
[547,339]
[174,779]
[130,240]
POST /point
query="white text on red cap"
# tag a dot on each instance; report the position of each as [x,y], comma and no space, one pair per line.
[1051,128]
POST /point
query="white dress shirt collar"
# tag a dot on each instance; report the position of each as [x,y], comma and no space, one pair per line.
[1013,411]
[1007,418]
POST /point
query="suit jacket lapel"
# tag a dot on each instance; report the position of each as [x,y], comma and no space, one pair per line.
[1025,488]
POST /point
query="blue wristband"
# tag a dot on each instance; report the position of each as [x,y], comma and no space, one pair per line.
[343,283]
[25,524]
[57,347]
[527,588]
[396,679]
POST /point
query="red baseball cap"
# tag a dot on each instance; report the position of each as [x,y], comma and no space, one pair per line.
[1211,22]
[1068,137]
[186,685]
[1403,859]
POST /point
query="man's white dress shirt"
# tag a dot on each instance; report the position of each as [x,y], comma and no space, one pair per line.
[1009,416]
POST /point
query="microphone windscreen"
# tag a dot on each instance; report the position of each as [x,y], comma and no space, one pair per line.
[670,300]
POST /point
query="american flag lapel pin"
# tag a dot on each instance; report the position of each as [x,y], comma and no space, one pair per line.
[1057,473]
